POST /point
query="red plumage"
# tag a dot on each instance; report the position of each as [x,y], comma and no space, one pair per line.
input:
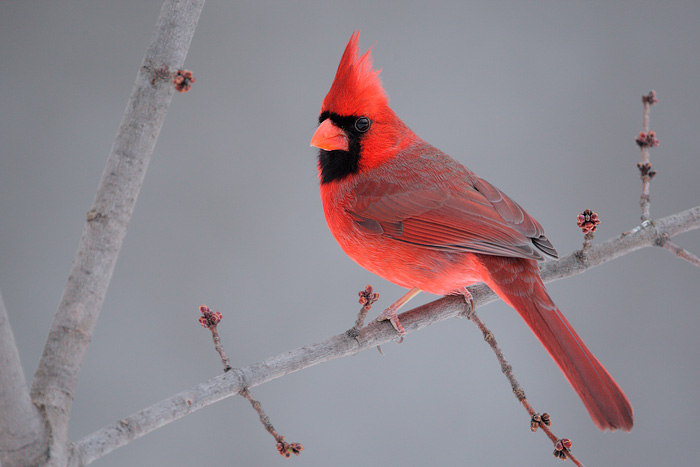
[411,214]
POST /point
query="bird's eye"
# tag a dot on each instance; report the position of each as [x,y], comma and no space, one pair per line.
[362,124]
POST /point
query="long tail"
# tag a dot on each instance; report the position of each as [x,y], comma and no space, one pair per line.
[518,283]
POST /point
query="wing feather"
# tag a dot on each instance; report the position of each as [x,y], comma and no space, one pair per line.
[475,217]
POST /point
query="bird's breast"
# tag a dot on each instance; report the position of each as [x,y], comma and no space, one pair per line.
[437,271]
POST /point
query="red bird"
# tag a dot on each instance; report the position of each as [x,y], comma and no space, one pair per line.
[411,214]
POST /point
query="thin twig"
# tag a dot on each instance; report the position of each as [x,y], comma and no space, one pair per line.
[220,348]
[681,253]
[120,433]
[645,141]
[284,448]
[644,200]
[211,320]
[587,238]
[506,367]
[367,299]
[518,391]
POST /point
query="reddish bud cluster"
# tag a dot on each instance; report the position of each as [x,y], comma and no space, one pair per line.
[367,298]
[183,80]
[539,420]
[645,170]
[588,221]
[209,318]
[561,448]
[647,140]
[650,98]
[287,449]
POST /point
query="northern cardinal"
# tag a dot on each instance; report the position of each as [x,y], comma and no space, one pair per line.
[411,214]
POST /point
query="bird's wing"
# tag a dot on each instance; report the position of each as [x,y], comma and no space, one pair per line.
[476,217]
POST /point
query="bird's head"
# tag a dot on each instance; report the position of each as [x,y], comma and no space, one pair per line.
[357,129]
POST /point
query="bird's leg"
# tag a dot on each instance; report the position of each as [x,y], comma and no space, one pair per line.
[469,299]
[390,313]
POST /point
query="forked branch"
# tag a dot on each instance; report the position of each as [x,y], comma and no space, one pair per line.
[134,426]
[56,377]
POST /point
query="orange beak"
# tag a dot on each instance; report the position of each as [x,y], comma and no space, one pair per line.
[330,137]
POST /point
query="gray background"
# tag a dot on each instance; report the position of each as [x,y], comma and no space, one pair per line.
[542,100]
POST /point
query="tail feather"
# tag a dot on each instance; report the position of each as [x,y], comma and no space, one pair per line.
[518,283]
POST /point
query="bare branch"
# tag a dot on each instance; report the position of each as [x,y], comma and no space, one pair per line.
[21,423]
[284,448]
[57,374]
[647,234]
[134,426]
[210,320]
[681,253]
[537,420]
[645,141]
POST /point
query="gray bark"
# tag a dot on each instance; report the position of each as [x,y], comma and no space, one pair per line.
[22,429]
[56,378]
[120,433]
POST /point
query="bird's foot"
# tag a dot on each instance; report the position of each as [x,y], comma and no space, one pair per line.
[470,300]
[390,315]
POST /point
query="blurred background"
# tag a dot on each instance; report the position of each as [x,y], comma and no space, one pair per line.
[543,100]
